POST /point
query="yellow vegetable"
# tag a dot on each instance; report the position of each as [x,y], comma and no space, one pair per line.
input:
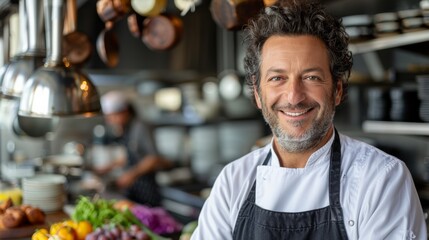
[67,233]
[55,227]
[70,223]
[15,194]
[41,234]
[83,229]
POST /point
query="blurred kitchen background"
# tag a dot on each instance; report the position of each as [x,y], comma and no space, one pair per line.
[193,94]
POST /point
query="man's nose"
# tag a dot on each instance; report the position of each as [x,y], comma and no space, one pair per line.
[295,91]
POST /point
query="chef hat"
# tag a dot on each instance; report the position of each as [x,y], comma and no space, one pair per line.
[114,102]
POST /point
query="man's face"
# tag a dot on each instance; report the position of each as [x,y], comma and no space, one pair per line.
[296,92]
[118,119]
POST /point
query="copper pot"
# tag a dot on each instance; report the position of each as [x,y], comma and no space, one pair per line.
[108,46]
[113,10]
[135,24]
[77,46]
[162,32]
[233,14]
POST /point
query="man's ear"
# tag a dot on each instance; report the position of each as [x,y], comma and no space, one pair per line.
[338,92]
[256,94]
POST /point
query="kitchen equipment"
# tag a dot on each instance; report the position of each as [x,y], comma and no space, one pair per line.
[68,165]
[149,7]
[229,85]
[233,14]
[45,191]
[378,103]
[411,20]
[237,138]
[162,32]
[113,10]
[386,17]
[405,104]
[358,27]
[186,5]
[77,46]
[412,24]
[55,90]
[423,95]
[169,99]
[357,20]
[4,47]
[24,64]
[135,24]
[409,13]
[108,46]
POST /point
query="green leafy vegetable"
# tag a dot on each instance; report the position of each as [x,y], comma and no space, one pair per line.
[99,211]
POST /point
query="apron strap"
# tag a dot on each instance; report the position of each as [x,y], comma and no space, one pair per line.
[335,178]
[334,171]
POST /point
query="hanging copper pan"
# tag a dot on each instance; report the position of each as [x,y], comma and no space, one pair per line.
[135,24]
[233,14]
[113,10]
[108,46]
[162,32]
[77,46]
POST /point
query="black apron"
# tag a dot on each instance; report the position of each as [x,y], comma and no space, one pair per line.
[325,223]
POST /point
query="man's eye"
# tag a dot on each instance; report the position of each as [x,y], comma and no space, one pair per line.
[313,78]
[277,78]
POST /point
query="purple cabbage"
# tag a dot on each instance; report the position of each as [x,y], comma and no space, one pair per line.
[156,219]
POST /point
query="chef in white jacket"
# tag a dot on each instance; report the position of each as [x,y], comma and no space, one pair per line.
[310,182]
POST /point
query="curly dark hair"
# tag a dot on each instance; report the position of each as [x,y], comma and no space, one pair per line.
[297,17]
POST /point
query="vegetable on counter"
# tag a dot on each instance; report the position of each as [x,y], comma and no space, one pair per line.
[156,219]
[103,215]
[188,229]
[65,230]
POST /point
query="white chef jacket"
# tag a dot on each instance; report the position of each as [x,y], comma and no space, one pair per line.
[377,194]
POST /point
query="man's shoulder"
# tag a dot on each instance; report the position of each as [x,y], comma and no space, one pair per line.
[364,154]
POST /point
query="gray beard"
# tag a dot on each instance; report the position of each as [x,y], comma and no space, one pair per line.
[308,140]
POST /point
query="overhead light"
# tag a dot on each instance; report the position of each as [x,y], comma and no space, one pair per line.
[32,49]
[55,90]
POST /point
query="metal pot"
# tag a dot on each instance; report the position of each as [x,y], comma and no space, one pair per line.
[55,90]
[162,32]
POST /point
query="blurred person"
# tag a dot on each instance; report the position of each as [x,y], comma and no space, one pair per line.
[310,181]
[141,161]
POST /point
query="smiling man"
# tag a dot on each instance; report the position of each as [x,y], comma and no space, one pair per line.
[310,182]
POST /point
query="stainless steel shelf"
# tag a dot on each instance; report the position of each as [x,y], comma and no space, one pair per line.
[389,42]
[405,128]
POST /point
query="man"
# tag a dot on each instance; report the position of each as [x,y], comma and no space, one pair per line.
[310,182]
[141,161]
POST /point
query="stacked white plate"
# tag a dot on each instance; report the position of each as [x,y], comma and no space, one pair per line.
[46,191]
